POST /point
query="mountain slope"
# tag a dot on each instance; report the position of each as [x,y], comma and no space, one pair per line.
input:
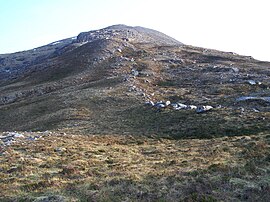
[97,83]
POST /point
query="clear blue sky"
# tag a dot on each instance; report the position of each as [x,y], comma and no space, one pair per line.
[239,26]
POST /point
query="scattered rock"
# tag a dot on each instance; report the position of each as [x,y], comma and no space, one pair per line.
[175,106]
[180,106]
[55,198]
[252,82]
[134,72]
[235,69]
[10,137]
[202,109]
[160,105]
[132,88]
[146,81]
[192,107]
[244,98]
[150,103]
[167,103]
[60,149]
[8,142]
[17,135]
[241,109]
[33,138]
[255,110]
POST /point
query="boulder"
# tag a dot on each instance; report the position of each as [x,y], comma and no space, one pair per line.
[168,102]
[202,109]
[134,72]
[191,107]
[183,106]
[252,82]
[149,103]
[174,105]
[160,105]
[178,106]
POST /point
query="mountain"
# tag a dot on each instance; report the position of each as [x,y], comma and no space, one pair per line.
[99,81]
[179,123]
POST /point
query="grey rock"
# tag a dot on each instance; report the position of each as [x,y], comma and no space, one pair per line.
[253,82]
[255,110]
[168,102]
[150,103]
[235,69]
[160,105]
[174,105]
[54,198]
[10,137]
[134,72]
[33,138]
[202,109]
[244,98]
[181,106]
[18,135]
[191,107]
[60,149]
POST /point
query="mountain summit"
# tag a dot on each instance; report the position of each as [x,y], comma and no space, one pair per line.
[127,33]
[99,82]
[13,65]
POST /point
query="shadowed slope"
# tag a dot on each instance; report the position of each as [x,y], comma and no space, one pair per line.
[98,84]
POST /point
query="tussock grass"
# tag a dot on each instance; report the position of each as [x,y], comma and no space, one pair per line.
[136,168]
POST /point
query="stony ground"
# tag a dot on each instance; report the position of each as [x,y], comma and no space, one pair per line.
[73,167]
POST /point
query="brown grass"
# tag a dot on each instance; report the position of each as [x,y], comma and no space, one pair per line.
[114,168]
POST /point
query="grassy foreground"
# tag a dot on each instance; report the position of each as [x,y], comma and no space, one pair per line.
[69,167]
